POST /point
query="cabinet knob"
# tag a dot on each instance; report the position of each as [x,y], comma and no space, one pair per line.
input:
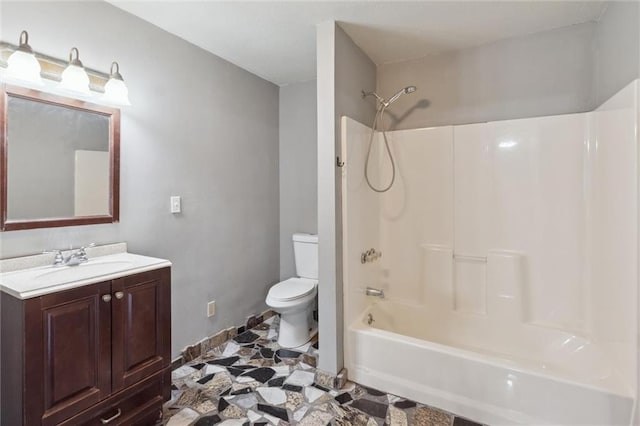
[119,295]
[106,298]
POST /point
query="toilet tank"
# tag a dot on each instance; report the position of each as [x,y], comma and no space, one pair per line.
[305,251]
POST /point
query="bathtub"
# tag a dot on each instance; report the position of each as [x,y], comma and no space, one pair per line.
[487,371]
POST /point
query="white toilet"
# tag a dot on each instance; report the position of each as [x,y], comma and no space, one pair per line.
[294,299]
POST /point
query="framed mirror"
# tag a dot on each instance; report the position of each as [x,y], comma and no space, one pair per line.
[59,161]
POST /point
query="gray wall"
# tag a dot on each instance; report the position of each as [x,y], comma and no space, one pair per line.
[199,127]
[540,74]
[617,49]
[343,71]
[298,168]
[355,72]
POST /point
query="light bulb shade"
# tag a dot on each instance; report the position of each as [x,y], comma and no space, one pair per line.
[116,92]
[75,79]
[25,67]
[22,64]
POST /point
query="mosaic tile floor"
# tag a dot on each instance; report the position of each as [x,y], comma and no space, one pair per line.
[250,380]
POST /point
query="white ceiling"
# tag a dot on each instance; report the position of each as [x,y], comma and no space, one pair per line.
[276,39]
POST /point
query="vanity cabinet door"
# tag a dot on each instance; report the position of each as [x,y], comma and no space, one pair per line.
[141,321]
[68,352]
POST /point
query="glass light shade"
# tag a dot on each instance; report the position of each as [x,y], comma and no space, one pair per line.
[22,64]
[75,78]
[116,92]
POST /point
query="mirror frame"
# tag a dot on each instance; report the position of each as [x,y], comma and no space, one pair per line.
[114,159]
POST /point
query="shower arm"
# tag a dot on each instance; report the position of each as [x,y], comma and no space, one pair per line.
[382,101]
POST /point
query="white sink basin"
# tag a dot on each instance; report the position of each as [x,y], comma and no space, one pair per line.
[84,270]
[33,282]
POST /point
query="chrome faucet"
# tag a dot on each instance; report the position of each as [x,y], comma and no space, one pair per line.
[375,292]
[75,258]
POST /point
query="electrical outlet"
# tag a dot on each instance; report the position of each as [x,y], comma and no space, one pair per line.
[211,308]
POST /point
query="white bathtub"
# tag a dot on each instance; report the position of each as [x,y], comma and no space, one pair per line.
[488,373]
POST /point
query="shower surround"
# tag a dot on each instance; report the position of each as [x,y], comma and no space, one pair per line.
[509,265]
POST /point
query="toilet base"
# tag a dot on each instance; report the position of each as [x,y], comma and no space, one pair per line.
[295,329]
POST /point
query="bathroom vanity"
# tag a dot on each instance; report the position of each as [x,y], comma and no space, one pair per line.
[87,344]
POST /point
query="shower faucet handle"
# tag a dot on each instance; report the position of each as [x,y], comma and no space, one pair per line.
[370,256]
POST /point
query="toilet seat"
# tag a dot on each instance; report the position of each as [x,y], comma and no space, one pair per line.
[291,289]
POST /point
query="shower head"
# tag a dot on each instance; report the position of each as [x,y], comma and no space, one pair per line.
[385,104]
[408,89]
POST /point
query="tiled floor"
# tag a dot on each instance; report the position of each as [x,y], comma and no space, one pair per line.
[250,380]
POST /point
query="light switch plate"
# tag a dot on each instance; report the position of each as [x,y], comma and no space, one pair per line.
[176,204]
[211,308]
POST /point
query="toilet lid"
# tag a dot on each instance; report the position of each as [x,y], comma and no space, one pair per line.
[293,288]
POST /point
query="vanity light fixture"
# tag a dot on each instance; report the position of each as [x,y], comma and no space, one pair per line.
[22,64]
[115,91]
[74,77]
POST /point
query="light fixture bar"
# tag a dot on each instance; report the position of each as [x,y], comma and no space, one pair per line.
[70,77]
[52,68]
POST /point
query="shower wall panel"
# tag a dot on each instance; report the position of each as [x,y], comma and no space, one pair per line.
[538,177]
[529,199]
[508,192]
[362,223]
[417,210]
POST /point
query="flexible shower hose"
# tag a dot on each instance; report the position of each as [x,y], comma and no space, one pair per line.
[379,116]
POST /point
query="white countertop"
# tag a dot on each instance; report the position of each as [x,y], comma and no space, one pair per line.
[41,280]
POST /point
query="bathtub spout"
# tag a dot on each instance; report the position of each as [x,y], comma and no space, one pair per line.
[374,292]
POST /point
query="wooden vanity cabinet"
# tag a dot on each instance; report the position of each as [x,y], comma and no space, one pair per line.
[87,355]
